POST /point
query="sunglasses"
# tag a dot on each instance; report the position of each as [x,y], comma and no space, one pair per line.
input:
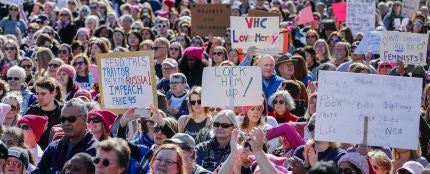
[134,28]
[13,9]
[217,53]
[62,51]
[31,31]
[13,108]
[311,128]
[13,78]
[94,120]
[162,26]
[156,48]
[93,7]
[386,66]
[174,48]
[9,48]
[195,101]
[70,119]
[281,102]
[79,63]
[53,65]
[105,162]
[13,164]
[24,127]
[157,129]
[311,36]
[223,125]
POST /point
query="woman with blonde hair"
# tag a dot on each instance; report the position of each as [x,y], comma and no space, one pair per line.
[199,117]
[401,156]
[322,51]
[380,162]
[168,158]
[65,26]
[43,57]
[11,57]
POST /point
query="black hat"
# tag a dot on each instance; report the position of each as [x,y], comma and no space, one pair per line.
[3,150]
[19,153]
[42,18]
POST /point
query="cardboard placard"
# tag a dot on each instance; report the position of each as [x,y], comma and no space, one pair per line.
[228,86]
[371,42]
[339,11]
[305,16]
[210,18]
[360,15]
[410,48]
[391,103]
[409,7]
[127,79]
[263,32]
[12,2]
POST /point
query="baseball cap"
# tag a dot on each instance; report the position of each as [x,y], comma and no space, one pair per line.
[412,167]
[169,61]
[182,139]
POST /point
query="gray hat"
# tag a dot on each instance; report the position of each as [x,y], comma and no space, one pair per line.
[19,153]
[182,139]
[169,61]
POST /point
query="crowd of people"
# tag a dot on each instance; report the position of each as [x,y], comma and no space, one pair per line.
[51,119]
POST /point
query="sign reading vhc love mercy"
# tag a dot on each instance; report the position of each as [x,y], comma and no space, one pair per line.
[127,80]
[228,86]
[262,32]
[408,47]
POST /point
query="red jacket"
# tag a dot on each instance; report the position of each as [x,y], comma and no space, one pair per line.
[284,118]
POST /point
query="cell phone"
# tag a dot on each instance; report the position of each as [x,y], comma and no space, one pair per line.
[142,113]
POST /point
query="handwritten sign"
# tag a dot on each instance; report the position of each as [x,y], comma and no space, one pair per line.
[410,7]
[391,103]
[210,18]
[262,13]
[262,32]
[339,11]
[305,16]
[12,2]
[370,42]
[408,47]
[228,86]
[360,15]
[127,79]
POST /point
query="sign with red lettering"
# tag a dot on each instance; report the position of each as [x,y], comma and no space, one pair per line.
[210,18]
[126,80]
[410,48]
[262,32]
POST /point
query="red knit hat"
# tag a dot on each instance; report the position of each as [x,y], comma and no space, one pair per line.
[196,52]
[107,117]
[169,3]
[83,93]
[68,69]
[36,122]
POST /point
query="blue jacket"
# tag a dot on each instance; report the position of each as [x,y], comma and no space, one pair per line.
[55,155]
[28,98]
[270,86]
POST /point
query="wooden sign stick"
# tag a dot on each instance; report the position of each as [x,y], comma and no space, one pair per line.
[366,125]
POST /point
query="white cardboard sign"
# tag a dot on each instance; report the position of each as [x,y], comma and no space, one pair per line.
[408,47]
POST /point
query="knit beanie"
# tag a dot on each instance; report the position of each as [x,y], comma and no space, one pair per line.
[84,30]
[83,93]
[67,69]
[19,153]
[4,109]
[357,160]
[107,117]
[245,109]
[36,122]
[195,52]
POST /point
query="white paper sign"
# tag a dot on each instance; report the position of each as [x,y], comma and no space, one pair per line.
[12,2]
[360,15]
[408,47]
[370,42]
[391,103]
[262,32]
[410,7]
[228,86]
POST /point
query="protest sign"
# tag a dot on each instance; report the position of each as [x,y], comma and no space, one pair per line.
[339,11]
[305,16]
[408,47]
[409,7]
[360,15]
[228,86]
[12,2]
[371,42]
[263,32]
[391,103]
[210,18]
[127,79]
[262,13]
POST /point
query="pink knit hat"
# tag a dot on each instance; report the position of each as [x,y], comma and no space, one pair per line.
[83,93]
[195,52]
[85,30]
[357,160]
[107,117]
[67,69]
[245,109]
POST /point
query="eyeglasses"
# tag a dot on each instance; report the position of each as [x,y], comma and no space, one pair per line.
[281,102]
[174,48]
[53,65]
[13,78]
[13,164]
[217,54]
[311,128]
[70,119]
[9,48]
[24,127]
[156,48]
[105,162]
[79,63]
[311,36]
[195,101]
[63,51]
[168,162]
[346,171]
[157,129]
[223,125]
[13,108]
[175,83]
[94,120]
